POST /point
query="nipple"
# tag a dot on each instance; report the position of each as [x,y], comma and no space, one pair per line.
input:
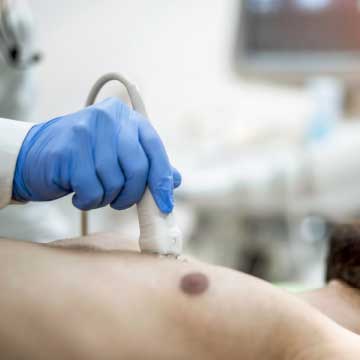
[194,283]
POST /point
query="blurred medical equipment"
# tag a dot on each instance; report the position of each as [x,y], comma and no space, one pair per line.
[261,195]
[18,52]
[282,176]
[159,232]
[321,37]
[15,33]
[253,212]
[327,95]
[18,91]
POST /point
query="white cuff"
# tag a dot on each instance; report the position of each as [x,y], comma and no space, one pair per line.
[12,134]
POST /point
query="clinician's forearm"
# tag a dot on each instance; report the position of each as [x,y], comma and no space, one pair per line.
[61,304]
[12,134]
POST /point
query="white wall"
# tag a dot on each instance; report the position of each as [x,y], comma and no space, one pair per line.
[172,49]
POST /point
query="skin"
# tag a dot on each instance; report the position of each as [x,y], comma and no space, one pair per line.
[336,300]
[339,302]
[76,303]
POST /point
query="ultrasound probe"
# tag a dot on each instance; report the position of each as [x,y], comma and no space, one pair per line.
[159,233]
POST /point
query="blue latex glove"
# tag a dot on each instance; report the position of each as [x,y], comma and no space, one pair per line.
[105,154]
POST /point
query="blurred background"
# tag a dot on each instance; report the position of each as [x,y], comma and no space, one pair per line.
[257,102]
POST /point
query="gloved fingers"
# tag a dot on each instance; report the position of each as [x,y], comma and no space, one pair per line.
[160,180]
[134,187]
[176,180]
[88,190]
[134,164]
[176,177]
[107,165]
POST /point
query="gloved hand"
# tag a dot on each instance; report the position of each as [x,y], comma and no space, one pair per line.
[105,154]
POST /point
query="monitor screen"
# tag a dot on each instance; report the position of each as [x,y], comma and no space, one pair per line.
[316,35]
[302,25]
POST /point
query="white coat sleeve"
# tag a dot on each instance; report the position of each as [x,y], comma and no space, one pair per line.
[12,134]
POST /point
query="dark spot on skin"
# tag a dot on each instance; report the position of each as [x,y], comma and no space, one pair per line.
[194,283]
